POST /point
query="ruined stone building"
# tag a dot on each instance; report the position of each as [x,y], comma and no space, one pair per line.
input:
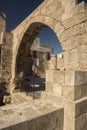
[40,55]
[63,104]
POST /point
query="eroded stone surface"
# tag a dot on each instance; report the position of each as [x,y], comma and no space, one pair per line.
[39,114]
[66,82]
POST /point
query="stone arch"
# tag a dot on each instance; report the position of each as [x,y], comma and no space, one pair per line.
[73,38]
[32,28]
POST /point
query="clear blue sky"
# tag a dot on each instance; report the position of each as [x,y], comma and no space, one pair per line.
[17,10]
[48,37]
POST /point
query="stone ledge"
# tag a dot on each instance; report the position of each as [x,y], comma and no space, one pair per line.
[75,78]
[74,93]
[27,115]
[75,109]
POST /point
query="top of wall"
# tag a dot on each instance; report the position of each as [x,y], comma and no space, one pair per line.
[3,15]
[2,26]
[36,46]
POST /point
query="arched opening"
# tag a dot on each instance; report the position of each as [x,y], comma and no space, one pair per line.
[32,59]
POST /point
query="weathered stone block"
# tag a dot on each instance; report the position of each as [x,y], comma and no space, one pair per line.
[59,128]
[58,76]
[69,78]
[8,128]
[81,123]
[20,126]
[2,26]
[36,124]
[60,117]
[82,53]
[80,92]
[71,59]
[68,92]
[80,78]
[78,40]
[49,121]
[51,96]
[81,107]
[74,92]
[75,109]
[57,89]
[75,123]
[76,19]
[69,108]
[72,32]
[69,123]
[49,86]
[49,75]
[75,78]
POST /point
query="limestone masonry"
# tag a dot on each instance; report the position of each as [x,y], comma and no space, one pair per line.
[63,103]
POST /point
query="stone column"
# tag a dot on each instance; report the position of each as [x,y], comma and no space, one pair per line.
[75,96]
[6,64]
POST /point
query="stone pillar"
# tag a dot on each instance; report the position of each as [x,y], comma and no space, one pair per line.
[2,26]
[2,30]
[6,56]
[75,96]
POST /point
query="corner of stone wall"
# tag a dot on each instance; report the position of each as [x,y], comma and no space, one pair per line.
[75,100]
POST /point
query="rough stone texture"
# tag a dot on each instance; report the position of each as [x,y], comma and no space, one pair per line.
[2,26]
[6,60]
[2,30]
[67,35]
[33,115]
[69,86]
[53,62]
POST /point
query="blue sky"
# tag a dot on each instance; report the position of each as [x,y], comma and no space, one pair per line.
[48,37]
[17,10]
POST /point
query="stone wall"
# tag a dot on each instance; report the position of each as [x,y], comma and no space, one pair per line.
[2,30]
[2,26]
[32,115]
[6,54]
[69,21]
[67,31]
[75,100]
[70,90]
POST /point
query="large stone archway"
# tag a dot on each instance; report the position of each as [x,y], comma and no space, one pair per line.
[67,87]
[28,36]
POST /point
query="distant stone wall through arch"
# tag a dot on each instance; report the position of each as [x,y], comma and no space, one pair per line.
[29,37]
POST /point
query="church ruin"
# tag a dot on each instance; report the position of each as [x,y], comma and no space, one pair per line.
[63,105]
